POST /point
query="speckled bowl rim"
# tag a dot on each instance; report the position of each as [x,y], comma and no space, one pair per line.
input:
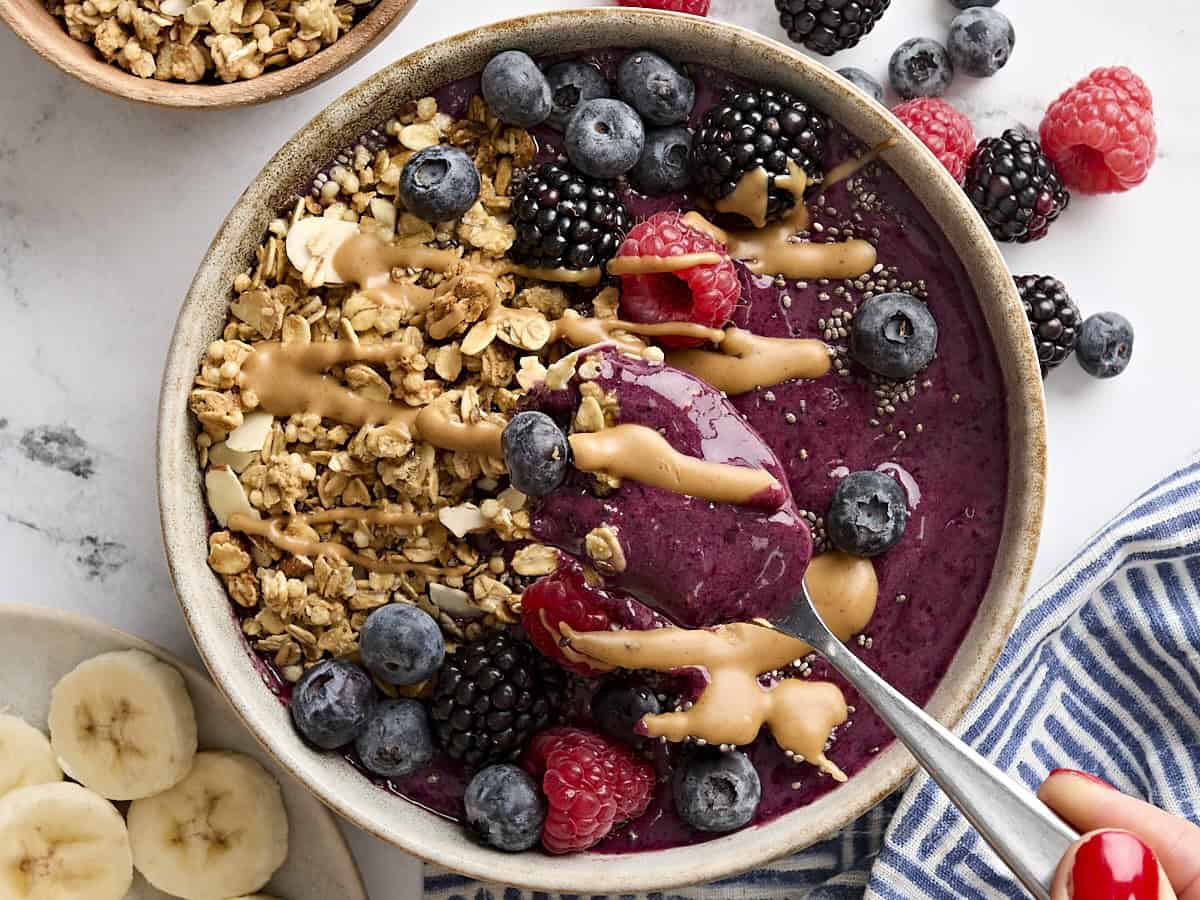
[207,607]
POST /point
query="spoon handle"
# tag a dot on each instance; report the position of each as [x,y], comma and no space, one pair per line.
[1019,827]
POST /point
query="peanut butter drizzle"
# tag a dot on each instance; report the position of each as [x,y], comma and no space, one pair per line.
[742,362]
[746,361]
[277,531]
[659,265]
[774,249]
[734,705]
[369,261]
[749,198]
[583,331]
[287,379]
[583,277]
[844,170]
[642,454]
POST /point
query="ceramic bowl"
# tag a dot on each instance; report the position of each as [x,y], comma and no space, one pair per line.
[185,520]
[46,34]
[40,646]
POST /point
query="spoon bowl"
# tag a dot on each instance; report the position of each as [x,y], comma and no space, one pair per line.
[1020,828]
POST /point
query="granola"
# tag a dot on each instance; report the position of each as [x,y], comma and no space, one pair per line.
[207,40]
[405,511]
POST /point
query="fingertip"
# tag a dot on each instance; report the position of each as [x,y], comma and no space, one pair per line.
[1110,863]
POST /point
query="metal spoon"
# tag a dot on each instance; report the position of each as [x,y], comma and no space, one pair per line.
[1020,828]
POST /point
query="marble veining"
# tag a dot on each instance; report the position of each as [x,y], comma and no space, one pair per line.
[107,207]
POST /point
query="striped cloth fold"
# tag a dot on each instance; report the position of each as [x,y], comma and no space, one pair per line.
[1101,673]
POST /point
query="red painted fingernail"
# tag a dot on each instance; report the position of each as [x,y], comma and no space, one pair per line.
[1113,865]
[1075,773]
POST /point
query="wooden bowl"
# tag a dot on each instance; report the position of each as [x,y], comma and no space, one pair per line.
[185,518]
[47,34]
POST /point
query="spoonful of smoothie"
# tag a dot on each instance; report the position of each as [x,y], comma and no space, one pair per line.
[1024,833]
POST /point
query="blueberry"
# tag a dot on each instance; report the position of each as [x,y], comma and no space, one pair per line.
[572,83]
[1105,344]
[920,68]
[663,166]
[867,515]
[967,4]
[893,335]
[863,81]
[401,644]
[331,703]
[716,791]
[604,138]
[504,808]
[619,706]
[439,183]
[536,452]
[655,88]
[980,42]
[397,740]
[515,89]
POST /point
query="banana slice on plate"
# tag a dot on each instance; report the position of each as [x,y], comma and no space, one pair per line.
[62,842]
[221,832]
[123,725]
[26,757]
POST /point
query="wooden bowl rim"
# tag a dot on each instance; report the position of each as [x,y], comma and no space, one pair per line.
[48,36]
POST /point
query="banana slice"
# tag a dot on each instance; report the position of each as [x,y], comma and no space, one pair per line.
[221,832]
[123,725]
[25,756]
[62,842]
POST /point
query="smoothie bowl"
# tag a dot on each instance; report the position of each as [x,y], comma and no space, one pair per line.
[490,426]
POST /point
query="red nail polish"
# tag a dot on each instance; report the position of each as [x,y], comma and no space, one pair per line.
[1114,865]
[1075,773]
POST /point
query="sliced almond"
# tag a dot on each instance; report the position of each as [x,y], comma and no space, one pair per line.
[453,601]
[226,495]
[250,436]
[174,7]
[477,339]
[462,518]
[221,455]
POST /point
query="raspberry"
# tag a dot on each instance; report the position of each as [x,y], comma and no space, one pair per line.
[1100,132]
[590,785]
[695,7]
[702,294]
[565,596]
[941,128]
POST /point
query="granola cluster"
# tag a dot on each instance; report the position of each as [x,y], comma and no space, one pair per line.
[207,40]
[297,472]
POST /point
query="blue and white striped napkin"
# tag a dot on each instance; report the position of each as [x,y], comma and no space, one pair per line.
[1102,673]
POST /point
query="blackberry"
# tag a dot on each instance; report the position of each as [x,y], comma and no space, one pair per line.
[827,26]
[1015,187]
[491,697]
[1053,318]
[565,219]
[757,128]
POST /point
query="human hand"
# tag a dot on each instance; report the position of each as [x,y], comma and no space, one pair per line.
[1129,850]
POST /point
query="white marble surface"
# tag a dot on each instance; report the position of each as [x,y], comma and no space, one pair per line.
[106,208]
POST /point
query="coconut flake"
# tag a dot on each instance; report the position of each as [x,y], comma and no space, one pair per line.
[250,436]
[453,601]
[461,519]
[226,495]
[221,455]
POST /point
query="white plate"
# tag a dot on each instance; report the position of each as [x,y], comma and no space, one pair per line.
[39,646]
